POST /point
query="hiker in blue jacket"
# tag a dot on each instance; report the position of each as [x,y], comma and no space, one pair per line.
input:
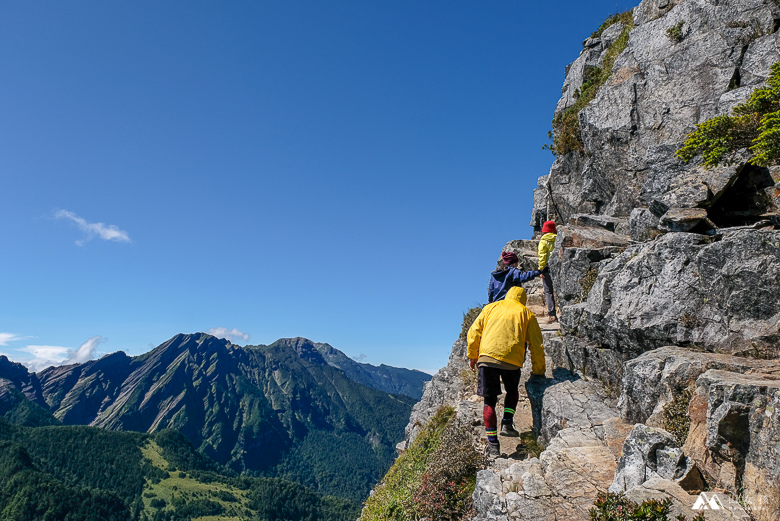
[507,277]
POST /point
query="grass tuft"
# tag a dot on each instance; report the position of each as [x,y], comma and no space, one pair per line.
[468,318]
[677,421]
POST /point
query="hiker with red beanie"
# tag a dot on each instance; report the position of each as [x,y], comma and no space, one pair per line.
[508,277]
[546,245]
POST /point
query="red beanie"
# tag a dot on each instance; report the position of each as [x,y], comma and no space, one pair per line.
[549,227]
[509,257]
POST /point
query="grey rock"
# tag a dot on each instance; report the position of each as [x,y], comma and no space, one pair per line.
[561,484]
[527,253]
[597,221]
[757,61]
[652,453]
[572,236]
[574,271]
[571,316]
[567,401]
[589,360]
[683,289]
[692,187]
[734,436]
[643,225]
[656,95]
[682,219]
[653,379]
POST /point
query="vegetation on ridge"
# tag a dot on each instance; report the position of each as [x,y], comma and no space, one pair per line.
[566,135]
[434,478]
[753,125]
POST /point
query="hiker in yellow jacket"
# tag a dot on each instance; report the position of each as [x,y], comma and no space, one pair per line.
[546,245]
[496,346]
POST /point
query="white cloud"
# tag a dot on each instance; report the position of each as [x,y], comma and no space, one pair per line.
[45,356]
[228,334]
[8,337]
[85,352]
[107,232]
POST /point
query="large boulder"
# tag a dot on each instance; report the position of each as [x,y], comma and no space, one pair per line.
[718,294]
[562,483]
[567,401]
[653,453]
[587,359]
[734,436]
[682,502]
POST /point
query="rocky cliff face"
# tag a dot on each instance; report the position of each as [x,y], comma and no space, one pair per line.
[664,379]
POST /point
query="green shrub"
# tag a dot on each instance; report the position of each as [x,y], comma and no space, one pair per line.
[752,125]
[675,32]
[529,446]
[677,421]
[617,507]
[626,17]
[447,485]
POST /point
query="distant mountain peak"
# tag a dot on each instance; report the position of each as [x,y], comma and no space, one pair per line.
[303,347]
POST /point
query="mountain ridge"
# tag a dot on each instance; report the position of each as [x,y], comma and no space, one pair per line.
[279,409]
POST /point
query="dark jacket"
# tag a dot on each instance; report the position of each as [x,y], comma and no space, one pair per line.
[502,280]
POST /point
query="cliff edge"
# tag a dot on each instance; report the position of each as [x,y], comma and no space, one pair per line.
[664,379]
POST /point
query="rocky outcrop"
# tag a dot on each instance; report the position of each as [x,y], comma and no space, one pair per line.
[561,484]
[719,294]
[568,401]
[659,89]
[653,453]
[682,502]
[654,379]
[735,432]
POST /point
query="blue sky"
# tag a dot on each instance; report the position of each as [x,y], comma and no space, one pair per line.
[342,171]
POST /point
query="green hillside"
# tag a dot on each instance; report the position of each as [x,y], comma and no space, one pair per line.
[85,473]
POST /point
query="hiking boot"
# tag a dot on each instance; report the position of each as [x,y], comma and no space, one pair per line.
[552,319]
[507,429]
[493,450]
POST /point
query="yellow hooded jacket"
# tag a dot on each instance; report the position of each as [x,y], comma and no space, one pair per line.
[546,246]
[502,329]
